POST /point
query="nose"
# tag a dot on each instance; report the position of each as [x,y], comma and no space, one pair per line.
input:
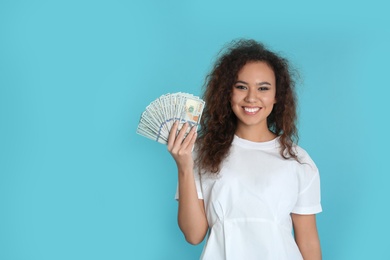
[251,96]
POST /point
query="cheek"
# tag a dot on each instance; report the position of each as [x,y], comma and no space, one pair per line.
[269,99]
[234,100]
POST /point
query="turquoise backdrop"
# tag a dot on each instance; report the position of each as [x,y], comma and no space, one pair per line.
[77,182]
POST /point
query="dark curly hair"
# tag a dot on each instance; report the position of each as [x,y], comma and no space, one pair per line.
[219,123]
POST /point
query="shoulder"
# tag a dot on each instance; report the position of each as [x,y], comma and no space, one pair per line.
[303,156]
[306,168]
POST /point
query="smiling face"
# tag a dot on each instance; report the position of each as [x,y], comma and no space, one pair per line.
[253,97]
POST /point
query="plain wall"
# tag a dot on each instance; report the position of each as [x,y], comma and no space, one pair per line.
[77,182]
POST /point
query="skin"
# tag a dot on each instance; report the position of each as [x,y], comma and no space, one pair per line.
[191,212]
[306,236]
[252,100]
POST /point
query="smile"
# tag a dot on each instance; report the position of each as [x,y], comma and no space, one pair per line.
[251,109]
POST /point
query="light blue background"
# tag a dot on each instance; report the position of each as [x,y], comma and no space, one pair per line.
[76,182]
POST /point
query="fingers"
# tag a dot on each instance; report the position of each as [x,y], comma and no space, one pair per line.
[180,137]
[190,138]
[172,135]
[180,141]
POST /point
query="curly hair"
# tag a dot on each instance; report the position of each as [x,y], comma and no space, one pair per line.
[219,123]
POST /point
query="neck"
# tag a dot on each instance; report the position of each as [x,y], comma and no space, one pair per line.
[255,135]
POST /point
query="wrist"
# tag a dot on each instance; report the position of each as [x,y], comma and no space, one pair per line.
[185,171]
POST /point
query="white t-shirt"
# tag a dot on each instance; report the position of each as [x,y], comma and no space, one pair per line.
[248,205]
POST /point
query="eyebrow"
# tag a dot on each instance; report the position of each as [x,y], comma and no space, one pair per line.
[260,83]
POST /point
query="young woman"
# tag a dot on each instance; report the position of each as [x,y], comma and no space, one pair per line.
[247,183]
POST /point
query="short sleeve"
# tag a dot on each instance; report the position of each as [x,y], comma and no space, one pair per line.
[309,195]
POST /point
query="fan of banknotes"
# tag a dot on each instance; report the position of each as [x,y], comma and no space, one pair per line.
[159,116]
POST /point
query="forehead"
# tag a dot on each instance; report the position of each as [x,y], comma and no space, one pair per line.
[257,69]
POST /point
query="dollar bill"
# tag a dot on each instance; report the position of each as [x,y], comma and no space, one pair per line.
[159,116]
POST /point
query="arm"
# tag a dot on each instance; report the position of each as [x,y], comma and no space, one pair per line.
[191,214]
[306,236]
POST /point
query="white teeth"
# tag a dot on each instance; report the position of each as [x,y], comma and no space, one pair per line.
[251,109]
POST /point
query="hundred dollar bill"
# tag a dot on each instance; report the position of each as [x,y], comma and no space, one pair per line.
[158,118]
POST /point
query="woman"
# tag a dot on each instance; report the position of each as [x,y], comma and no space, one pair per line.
[249,184]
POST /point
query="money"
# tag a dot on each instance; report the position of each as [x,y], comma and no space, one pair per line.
[160,115]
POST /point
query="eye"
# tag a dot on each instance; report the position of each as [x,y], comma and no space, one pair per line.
[240,87]
[263,88]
